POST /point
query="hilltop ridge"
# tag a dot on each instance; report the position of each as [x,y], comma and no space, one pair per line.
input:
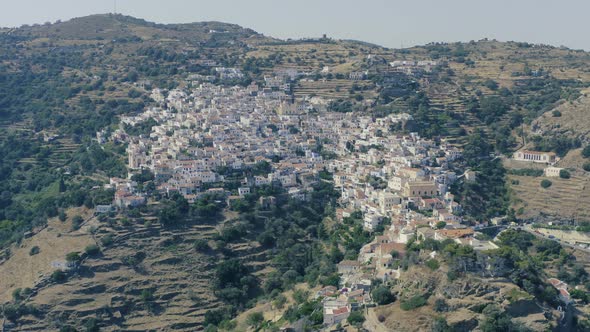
[117,26]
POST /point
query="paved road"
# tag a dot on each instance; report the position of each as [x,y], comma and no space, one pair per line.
[529,229]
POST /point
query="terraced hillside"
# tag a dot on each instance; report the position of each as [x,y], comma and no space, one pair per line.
[333,89]
[463,297]
[82,74]
[566,197]
[25,266]
[139,260]
[573,119]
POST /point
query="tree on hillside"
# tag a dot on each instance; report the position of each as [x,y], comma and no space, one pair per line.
[477,148]
[382,295]
[255,319]
[73,257]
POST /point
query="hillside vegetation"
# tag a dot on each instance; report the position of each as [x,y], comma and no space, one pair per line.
[178,266]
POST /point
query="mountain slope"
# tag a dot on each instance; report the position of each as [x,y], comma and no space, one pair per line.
[74,78]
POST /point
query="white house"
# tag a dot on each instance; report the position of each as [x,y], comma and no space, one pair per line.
[552,171]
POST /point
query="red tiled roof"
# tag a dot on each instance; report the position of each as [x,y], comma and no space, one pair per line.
[456,233]
[340,311]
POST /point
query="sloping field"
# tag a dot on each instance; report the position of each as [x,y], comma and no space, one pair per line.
[331,89]
[574,120]
[23,270]
[567,198]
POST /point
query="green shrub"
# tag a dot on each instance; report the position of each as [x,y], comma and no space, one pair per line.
[586,167]
[255,319]
[280,301]
[580,295]
[440,325]
[356,318]
[34,250]
[216,316]
[432,264]
[73,257]
[564,174]
[546,183]
[300,296]
[107,240]
[91,325]
[146,295]
[440,225]
[440,305]
[16,295]
[586,152]
[556,114]
[201,245]
[413,302]
[228,325]
[59,276]
[382,295]
[76,222]
[92,250]
[125,221]
[452,275]
[11,311]
[491,84]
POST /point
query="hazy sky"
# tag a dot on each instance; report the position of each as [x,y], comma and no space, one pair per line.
[390,23]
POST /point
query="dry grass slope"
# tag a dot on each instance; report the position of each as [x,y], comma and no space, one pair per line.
[565,198]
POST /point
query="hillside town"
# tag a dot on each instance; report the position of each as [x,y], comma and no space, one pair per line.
[398,184]
[198,175]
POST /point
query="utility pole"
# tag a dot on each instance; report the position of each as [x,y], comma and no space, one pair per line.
[115,12]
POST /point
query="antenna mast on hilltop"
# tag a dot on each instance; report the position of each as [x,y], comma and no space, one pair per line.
[115,12]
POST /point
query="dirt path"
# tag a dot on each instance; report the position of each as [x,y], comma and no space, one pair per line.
[372,323]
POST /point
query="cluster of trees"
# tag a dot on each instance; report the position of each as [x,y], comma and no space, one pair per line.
[456,50]
[507,109]
[17,308]
[305,308]
[515,260]
[428,122]
[342,106]
[559,144]
[498,320]
[394,86]
[521,257]
[489,108]
[488,196]
[143,128]
[176,210]
[293,231]
[350,235]
[234,283]
[93,158]
[256,65]
[44,193]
